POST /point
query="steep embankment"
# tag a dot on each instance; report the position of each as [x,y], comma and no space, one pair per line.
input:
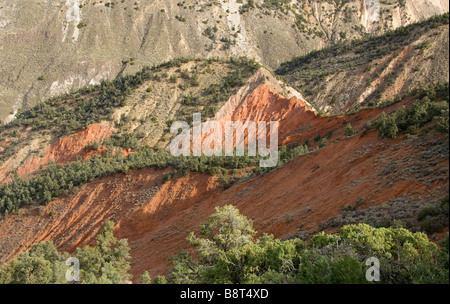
[142,106]
[52,47]
[61,151]
[367,71]
[363,170]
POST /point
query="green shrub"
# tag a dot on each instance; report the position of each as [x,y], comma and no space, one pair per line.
[228,251]
[145,278]
[434,218]
[323,143]
[432,105]
[349,131]
[160,280]
[105,263]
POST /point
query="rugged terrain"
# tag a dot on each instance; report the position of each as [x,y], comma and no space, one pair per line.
[50,47]
[351,75]
[77,160]
[313,192]
[295,200]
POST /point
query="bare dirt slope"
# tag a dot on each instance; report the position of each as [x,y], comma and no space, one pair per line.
[362,170]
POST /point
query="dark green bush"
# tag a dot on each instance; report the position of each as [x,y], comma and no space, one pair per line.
[431,105]
[434,218]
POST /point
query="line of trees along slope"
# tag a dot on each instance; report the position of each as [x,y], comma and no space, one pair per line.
[431,106]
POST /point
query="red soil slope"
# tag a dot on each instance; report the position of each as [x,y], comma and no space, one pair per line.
[297,197]
[63,150]
[68,148]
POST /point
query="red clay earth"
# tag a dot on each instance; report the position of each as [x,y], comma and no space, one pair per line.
[156,217]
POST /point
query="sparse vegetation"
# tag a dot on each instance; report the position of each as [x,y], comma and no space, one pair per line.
[68,113]
[356,58]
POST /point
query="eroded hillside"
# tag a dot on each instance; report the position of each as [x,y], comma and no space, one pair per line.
[133,110]
[52,47]
[343,179]
[78,160]
[366,72]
